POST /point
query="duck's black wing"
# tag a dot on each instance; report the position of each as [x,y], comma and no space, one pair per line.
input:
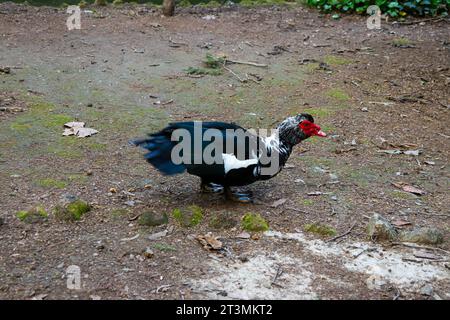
[160,144]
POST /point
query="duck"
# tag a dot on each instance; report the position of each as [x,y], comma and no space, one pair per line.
[225,156]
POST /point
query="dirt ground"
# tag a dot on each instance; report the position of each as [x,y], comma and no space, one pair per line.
[370,90]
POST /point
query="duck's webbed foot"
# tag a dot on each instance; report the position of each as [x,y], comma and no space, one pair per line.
[239,196]
[211,187]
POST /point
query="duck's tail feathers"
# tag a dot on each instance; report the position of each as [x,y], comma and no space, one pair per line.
[160,147]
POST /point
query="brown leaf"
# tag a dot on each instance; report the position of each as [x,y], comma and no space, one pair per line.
[401,223]
[278,203]
[209,242]
[243,235]
[413,190]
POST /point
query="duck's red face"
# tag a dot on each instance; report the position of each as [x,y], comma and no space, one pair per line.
[311,129]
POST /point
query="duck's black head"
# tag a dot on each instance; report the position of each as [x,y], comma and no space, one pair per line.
[295,129]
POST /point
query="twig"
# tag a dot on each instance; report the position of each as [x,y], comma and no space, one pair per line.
[398,294]
[129,239]
[135,217]
[409,245]
[295,209]
[177,43]
[342,235]
[262,65]
[277,275]
[234,74]
[164,287]
[437,19]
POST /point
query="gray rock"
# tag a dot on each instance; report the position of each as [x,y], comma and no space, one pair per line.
[423,235]
[380,229]
[426,290]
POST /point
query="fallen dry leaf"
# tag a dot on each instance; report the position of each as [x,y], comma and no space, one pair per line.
[243,235]
[209,242]
[413,190]
[400,223]
[78,129]
[74,124]
[158,235]
[278,203]
[85,132]
[408,188]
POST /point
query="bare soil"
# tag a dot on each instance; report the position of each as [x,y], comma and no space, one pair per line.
[374,92]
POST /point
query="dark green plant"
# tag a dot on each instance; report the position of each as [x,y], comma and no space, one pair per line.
[391,8]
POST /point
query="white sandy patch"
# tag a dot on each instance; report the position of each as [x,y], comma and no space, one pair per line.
[382,266]
[253,279]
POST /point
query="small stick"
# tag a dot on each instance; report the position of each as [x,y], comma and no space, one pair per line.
[418,247]
[342,235]
[420,21]
[234,74]
[279,273]
[262,65]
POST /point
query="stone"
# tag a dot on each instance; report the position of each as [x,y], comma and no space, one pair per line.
[380,229]
[423,235]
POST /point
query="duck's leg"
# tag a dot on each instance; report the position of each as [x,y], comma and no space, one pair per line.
[211,187]
[239,196]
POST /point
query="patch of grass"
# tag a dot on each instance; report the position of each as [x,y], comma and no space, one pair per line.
[319,112]
[308,202]
[401,42]
[77,178]
[183,3]
[164,247]
[82,4]
[254,222]
[55,120]
[119,213]
[100,3]
[212,4]
[51,183]
[311,67]
[20,127]
[320,229]
[336,60]
[203,71]
[401,195]
[338,94]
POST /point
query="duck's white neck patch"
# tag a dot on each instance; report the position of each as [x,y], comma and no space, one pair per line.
[231,162]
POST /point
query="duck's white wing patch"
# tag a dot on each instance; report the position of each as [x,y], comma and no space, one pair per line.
[231,162]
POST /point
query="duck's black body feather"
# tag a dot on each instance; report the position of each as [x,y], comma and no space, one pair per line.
[240,166]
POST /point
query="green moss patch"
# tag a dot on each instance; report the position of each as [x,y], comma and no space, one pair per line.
[72,211]
[164,247]
[152,219]
[51,183]
[223,220]
[37,214]
[336,60]
[189,216]
[338,94]
[401,42]
[254,222]
[320,229]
